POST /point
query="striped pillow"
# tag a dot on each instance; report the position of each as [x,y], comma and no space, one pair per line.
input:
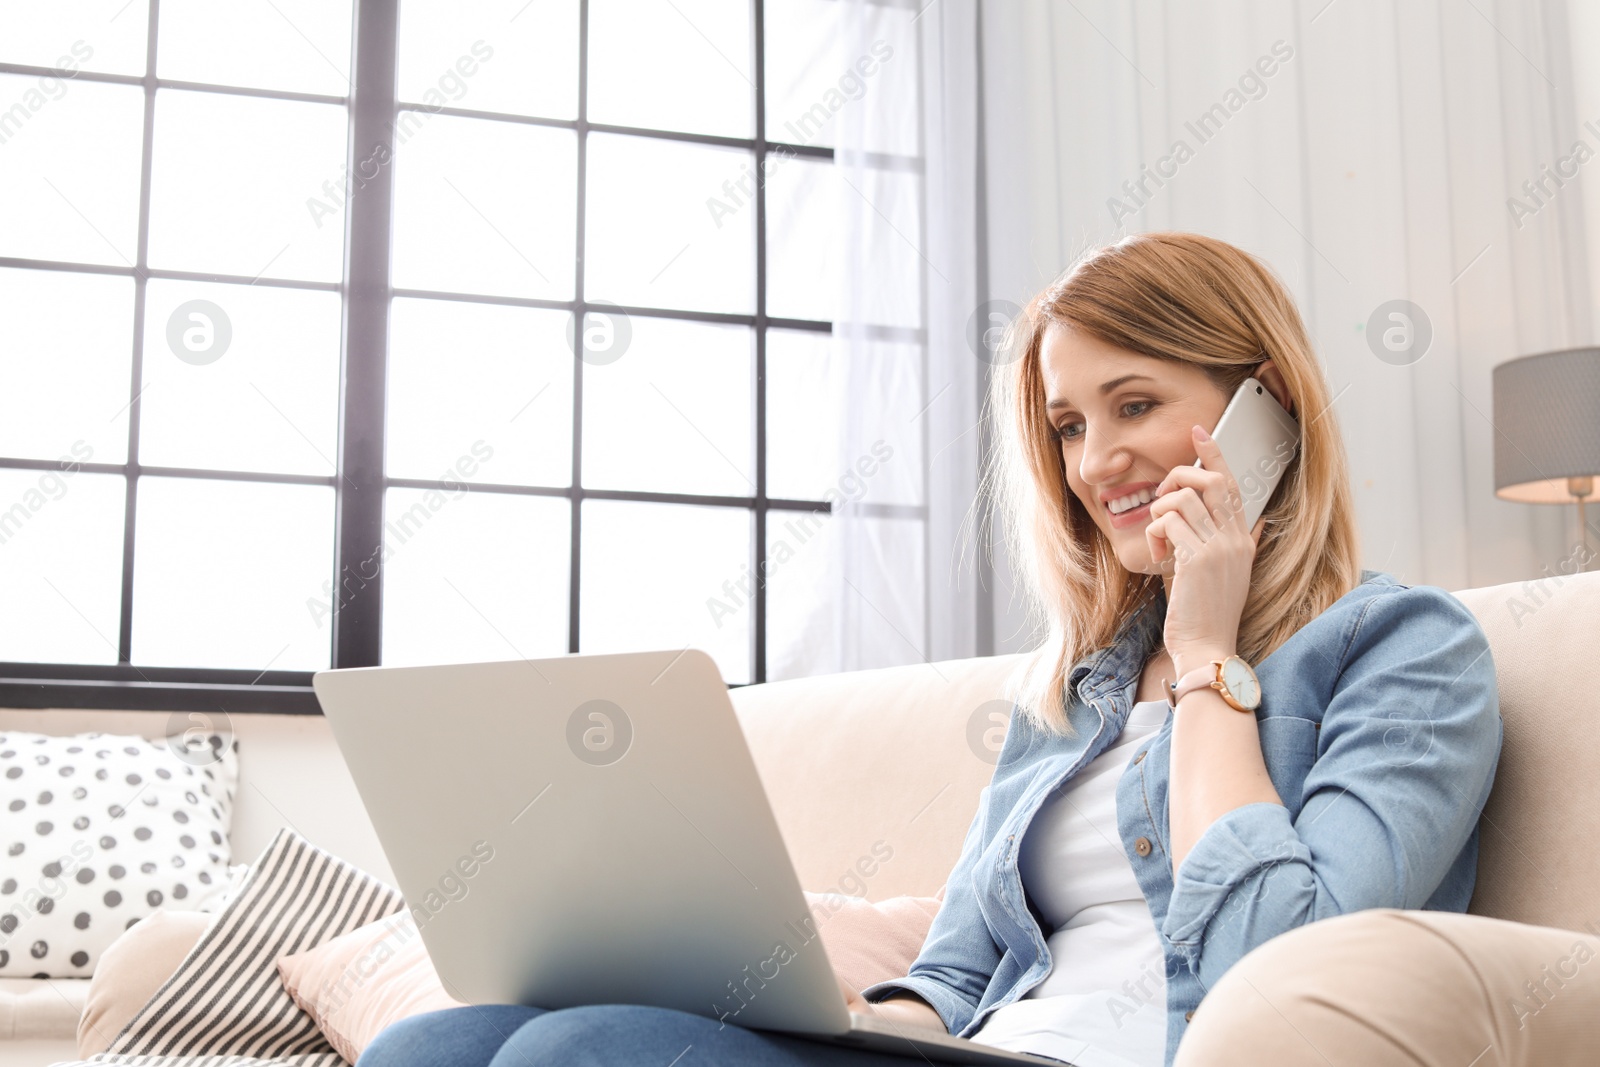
[225,999]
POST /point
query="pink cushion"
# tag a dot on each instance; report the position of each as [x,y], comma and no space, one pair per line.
[869,942]
[357,984]
[360,982]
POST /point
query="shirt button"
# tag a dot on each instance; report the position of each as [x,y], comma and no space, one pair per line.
[1139,757]
[1188,1016]
[1142,846]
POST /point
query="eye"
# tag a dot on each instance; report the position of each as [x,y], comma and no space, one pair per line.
[1144,406]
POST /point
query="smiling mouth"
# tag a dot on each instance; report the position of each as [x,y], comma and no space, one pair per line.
[1123,515]
[1131,501]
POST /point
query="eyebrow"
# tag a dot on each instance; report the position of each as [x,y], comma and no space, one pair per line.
[1104,389]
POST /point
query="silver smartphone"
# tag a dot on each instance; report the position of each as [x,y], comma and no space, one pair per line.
[1259,439]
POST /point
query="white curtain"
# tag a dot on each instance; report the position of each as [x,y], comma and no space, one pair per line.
[892,580]
[1378,160]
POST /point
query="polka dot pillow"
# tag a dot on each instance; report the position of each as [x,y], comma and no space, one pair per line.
[100,830]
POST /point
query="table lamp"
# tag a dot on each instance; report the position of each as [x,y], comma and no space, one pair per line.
[1547,430]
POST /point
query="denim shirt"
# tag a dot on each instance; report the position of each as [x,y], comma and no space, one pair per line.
[1380,728]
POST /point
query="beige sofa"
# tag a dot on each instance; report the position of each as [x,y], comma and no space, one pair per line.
[893,758]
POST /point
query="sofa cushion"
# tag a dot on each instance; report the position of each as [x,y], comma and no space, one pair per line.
[869,942]
[41,1008]
[225,998]
[100,830]
[132,970]
[364,981]
[1539,834]
[904,751]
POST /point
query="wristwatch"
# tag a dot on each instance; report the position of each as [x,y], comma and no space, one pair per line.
[1232,677]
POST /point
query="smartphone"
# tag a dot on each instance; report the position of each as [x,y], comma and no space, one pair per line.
[1259,439]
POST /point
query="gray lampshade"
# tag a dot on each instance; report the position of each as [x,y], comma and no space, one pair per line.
[1546,425]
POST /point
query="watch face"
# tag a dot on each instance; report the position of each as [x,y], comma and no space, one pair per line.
[1241,681]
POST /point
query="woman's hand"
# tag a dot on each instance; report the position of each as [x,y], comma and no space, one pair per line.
[854,1000]
[898,1007]
[1197,519]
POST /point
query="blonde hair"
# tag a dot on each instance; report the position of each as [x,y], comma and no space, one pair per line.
[1190,299]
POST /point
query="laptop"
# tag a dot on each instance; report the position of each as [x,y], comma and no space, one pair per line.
[591,829]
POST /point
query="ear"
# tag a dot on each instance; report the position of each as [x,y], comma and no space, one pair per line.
[1269,375]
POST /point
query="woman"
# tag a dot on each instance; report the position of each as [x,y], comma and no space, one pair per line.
[1130,849]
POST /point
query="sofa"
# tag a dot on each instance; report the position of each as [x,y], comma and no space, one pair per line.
[891,762]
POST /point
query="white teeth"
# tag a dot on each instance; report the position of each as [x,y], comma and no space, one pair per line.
[1132,500]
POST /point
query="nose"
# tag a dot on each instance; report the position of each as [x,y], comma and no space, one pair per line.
[1100,457]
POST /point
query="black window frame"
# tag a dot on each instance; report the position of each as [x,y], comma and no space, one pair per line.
[359,481]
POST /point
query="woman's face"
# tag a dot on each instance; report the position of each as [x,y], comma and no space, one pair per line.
[1124,421]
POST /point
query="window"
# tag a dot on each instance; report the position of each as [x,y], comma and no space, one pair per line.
[288,327]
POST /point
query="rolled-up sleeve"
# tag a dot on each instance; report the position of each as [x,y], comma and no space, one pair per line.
[1409,745]
[958,957]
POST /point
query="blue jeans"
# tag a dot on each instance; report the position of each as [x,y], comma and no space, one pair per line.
[597,1035]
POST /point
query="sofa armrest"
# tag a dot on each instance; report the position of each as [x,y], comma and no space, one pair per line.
[40,1009]
[1393,986]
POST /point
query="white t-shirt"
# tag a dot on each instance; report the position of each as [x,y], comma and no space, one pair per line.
[1104,1002]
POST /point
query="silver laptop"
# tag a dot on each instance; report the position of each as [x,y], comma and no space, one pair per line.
[591,829]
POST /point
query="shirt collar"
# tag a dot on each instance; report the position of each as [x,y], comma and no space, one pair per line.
[1120,663]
